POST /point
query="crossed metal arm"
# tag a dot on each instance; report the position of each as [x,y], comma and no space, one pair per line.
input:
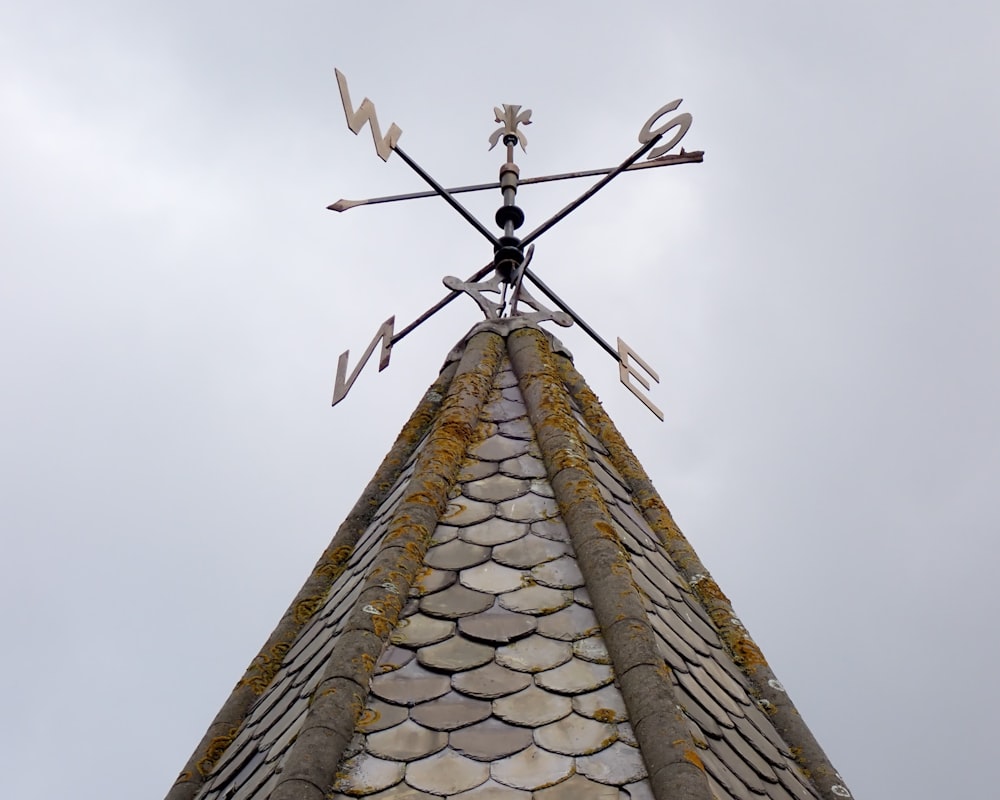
[512,117]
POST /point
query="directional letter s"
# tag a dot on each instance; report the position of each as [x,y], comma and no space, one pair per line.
[682,121]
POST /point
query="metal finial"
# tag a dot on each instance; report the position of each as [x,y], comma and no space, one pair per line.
[510,117]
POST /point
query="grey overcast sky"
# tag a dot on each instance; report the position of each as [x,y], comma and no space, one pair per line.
[820,298]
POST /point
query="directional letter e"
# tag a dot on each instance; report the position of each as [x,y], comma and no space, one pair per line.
[627,371]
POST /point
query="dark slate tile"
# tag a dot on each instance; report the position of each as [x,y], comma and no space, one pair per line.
[523,466]
[542,487]
[735,764]
[407,741]
[365,774]
[573,622]
[455,655]
[379,715]
[281,718]
[576,676]
[761,722]
[536,600]
[532,707]
[534,654]
[750,756]
[450,711]
[529,551]
[492,578]
[455,601]
[474,470]
[502,409]
[796,784]
[605,704]
[592,442]
[529,508]
[463,511]
[697,693]
[626,734]
[592,649]
[419,630]
[610,482]
[505,377]
[517,429]
[499,448]
[455,555]
[532,768]
[490,681]
[640,790]
[512,393]
[393,658]
[410,685]
[430,580]
[703,724]
[490,739]
[732,687]
[719,695]
[491,790]
[678,625]
[496,488]
[446,773]
[444,533]
[732,786]
[398,792]
[498,625]
[576,735]
[493,531]
[616,765]
[560,573]
[677,653]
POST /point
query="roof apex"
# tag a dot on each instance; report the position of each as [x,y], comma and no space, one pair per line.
[509,604]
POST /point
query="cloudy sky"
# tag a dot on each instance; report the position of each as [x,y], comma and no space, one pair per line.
[820,297]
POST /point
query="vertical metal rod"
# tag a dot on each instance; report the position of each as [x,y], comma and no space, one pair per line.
[437,187]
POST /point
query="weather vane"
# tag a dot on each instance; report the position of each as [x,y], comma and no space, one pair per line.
[511,254]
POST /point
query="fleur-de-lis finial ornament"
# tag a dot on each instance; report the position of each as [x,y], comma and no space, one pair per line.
[510,117]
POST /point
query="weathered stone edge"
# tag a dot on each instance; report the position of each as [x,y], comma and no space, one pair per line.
[771,695]
[310,769]
[266,663]
[675,770]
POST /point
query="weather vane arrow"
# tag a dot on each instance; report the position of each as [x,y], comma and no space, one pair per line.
[511,254]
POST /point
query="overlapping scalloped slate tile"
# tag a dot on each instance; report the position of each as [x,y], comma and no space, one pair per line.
[744,757]
[248,767]
[497,683]
[530,701]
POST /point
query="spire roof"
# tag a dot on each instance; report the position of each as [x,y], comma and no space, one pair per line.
[509,610]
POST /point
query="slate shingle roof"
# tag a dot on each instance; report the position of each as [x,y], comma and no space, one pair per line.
[509,611]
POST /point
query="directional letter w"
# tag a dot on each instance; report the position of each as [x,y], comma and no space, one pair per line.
[356,120]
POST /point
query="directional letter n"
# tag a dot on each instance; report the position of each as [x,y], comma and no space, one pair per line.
[356,120]
[343,384]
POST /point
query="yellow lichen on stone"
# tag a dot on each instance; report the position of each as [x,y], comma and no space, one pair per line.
[305,608]
[691,756]
[213,752]
[264,667]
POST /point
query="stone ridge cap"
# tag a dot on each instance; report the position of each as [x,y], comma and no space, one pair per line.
[668,749]
[771,694]
[262,669]
[504,327]
[338,701]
